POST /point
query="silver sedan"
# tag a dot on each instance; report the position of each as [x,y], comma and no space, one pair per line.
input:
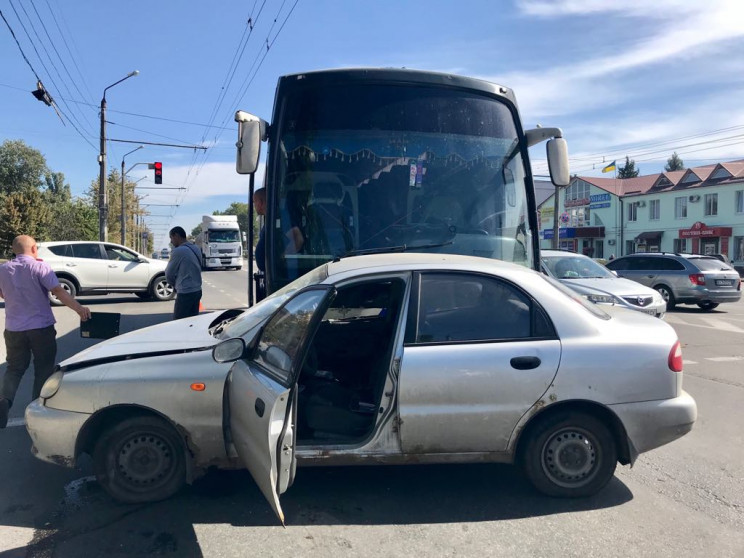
[403,358]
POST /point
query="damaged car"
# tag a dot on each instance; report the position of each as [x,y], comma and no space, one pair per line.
[375,359]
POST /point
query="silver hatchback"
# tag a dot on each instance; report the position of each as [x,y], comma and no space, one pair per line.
[682,278]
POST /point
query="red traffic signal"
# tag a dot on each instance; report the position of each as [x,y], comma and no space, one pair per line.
[158,166]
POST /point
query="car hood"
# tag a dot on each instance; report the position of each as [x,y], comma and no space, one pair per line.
[175,336]
[616,286]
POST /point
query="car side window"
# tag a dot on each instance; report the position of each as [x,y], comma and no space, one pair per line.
[282,337]
[119,254]
[88,251]
[455,307]
[64,250]
[673,265]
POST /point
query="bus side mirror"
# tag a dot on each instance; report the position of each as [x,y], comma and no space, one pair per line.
[558,162]
[251,131]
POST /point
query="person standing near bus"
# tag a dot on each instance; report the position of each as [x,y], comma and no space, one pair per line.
[184,273]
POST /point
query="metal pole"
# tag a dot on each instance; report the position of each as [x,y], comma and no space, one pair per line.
[102,198]
[555,218]
[122,221]
[250,239]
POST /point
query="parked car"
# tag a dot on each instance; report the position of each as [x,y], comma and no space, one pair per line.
[165,253]
[99,268]
[682,278]
[155,256]
[402,358]
[598,284]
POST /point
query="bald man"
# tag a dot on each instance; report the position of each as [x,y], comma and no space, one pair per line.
[25,284]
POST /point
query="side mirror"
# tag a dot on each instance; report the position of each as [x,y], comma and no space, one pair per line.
[251,131]
[558,162]
[229,350]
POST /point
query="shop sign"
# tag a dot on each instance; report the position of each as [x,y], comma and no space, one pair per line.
[600,198]
[599,205]
[700,229]
[576,203]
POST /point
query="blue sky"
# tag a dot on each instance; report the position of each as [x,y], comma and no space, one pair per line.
[619,77]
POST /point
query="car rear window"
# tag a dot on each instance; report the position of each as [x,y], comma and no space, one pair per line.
[710,264]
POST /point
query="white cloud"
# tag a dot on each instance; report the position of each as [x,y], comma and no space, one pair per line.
[683,30]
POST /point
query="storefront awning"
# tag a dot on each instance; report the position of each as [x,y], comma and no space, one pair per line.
[649,235]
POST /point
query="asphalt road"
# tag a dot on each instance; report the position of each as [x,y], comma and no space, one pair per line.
[686,498]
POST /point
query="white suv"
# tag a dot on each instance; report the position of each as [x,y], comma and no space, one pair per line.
[87,267]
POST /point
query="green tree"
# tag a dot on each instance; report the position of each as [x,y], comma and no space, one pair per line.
[674,163]
[22,168]
[23,212]
[237,208]
[76,219]
[628,170]
[131,207]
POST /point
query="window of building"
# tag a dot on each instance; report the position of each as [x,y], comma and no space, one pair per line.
[633,211]
[654,210]
[680,208]
[739,203]
[711,204]
[579,190]
[690,178]
[680,245]
[720,173]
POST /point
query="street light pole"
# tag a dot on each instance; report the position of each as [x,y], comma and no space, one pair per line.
[102,194]
[124,199]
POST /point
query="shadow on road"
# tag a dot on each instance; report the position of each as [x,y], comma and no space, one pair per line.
[88,523]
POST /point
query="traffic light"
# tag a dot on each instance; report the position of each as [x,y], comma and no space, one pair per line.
[158,166]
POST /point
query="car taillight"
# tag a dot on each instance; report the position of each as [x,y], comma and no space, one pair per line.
[697,279]
[738,287]
[675,358]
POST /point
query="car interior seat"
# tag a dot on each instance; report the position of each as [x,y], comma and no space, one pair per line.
[330,220]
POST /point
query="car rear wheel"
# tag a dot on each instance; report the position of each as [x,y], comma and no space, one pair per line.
[571,455]
[69,288]
[161,289]
[708,306]
[141,459]
[667,295]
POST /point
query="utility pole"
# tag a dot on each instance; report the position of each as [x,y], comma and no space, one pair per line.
[123,220]
[102,193]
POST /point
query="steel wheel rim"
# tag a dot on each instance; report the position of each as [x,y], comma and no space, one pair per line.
[570,457]
[664,294]
[145,460]
[163,289]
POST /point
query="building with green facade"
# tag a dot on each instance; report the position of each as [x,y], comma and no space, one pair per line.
[699,210]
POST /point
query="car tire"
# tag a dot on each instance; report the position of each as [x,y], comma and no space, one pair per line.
[667,294]
[141,459]
[708,306]
[571,455]
[160,289]
[68,286]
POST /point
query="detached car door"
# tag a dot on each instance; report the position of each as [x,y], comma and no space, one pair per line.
[262,391]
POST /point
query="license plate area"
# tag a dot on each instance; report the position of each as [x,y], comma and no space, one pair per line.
[724,282]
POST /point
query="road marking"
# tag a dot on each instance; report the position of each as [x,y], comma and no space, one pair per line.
[689,361]
[709,323]
[725,358]
[16,422]
[721,324]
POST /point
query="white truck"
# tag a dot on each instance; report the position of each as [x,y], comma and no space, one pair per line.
[220,242]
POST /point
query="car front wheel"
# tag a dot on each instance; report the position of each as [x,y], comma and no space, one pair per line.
[667,295]
[570,456]
[69,288]
[161,289]
[140,459]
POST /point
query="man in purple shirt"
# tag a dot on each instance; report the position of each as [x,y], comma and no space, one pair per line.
[25,283]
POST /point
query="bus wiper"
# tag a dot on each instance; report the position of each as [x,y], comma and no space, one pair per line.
[391,249]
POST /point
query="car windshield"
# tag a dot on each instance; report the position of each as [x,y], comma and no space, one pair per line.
[575,267]
[259,312]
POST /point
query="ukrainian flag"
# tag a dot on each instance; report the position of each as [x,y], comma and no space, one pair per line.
[609,168]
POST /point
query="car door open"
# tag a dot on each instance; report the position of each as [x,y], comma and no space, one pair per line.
[262,393]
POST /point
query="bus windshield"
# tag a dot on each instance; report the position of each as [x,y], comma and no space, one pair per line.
[372,167]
